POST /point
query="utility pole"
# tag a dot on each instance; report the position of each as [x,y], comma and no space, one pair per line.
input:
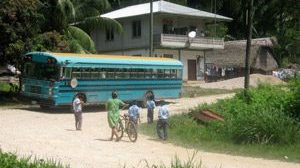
[151,30]
[248,47]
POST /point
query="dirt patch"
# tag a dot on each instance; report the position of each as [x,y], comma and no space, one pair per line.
[237,83]
[51,134]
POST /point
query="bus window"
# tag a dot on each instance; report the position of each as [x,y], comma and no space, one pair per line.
[76,73]
[133,74]
[94,73]
[86,73]
[29,69]
[140,74]
[179,74]
[66,73]
[148,73]
[122,73]
[41,71]
[49,71]
[167,73]
[119,74]
[154,74]
[126,73]
[102,73]
[173,73]
[160,73]
[110,73]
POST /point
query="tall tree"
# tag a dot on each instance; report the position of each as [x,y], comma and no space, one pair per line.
[76,19]
[19,23]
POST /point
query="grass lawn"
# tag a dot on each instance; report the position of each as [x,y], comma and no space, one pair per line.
[192,135]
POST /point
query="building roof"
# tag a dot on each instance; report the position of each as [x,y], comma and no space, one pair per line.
[234,53]
[162,7]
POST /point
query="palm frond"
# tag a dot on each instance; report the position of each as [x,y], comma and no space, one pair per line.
[84,12]
[82,38]
[67,8]
[91,23]
[100,5]
[76,47]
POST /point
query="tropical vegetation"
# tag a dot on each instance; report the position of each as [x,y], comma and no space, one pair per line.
[65,25]
[50,25]
[267,125]
[10,160]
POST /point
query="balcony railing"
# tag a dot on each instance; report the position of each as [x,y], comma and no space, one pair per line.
[182,41]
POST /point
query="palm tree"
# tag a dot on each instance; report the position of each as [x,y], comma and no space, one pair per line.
[77,18]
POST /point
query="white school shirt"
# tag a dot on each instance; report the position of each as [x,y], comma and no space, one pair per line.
[77,107]
[163,112]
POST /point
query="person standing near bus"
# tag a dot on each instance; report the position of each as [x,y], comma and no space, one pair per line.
[134,112]
[162,123]
[113,115]
[77,108]
[150,109]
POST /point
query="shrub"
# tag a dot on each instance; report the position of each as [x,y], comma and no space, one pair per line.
[10,160]
[177,163]
[294,107]
[264,119]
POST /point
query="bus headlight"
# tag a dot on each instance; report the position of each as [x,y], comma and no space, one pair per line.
[23,88]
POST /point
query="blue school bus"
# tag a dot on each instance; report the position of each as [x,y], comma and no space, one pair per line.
[54,79]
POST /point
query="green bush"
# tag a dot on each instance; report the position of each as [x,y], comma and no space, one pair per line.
[294,107]
[264,119]
[10,160]
[177,163]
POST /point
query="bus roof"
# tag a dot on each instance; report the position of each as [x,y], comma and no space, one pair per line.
[93,60]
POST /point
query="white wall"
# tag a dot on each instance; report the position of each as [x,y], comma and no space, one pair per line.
[125,41]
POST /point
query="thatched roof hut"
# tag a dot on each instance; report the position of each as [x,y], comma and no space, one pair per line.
[233,55]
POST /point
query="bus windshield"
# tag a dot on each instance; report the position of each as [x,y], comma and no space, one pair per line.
[42,71]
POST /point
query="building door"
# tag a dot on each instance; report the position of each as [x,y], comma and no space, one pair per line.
[192,69]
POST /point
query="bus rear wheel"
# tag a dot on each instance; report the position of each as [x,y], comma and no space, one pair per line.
[44,107]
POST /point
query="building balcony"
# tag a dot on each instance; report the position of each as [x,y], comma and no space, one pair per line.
[183,41]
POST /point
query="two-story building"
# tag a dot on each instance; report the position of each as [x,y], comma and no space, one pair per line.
[171,25]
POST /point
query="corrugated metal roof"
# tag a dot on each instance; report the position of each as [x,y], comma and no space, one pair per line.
[161,7]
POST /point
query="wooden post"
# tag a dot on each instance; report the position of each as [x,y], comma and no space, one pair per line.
[248,47]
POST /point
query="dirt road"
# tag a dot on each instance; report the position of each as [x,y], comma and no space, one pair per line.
[28,131]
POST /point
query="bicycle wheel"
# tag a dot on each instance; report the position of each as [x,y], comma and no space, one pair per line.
[120,129]
[132,131]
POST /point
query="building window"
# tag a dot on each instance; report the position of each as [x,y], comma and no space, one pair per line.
[168,56]
[109,34]
[136,29]
[168,27]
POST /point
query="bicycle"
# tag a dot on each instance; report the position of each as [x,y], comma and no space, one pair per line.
[130,128]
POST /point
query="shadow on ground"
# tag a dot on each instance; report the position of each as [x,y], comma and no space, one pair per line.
[63,109]
[67,109]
